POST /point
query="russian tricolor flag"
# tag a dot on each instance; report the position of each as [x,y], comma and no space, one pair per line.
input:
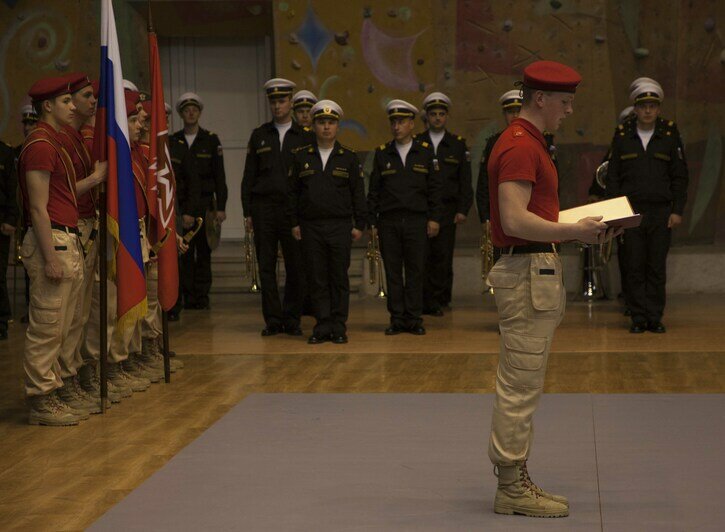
[123,254]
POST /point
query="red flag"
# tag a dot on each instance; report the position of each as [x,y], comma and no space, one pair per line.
[161,187]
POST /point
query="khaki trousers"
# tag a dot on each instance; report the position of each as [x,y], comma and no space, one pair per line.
[118,343]
[70,358]
[150,325]
[53,307]
[531,299]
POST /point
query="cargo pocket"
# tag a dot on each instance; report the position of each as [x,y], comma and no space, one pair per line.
[510,301]
[525,358]
[545,282]
[45,313]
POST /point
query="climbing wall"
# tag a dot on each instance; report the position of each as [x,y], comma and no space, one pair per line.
[364,53]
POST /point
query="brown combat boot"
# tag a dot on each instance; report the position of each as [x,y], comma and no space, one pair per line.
[517,496]
[557,498]
[89,381]
[45,410]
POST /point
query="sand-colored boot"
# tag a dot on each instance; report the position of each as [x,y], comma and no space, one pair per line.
[45,410]
[517,496]
[553,497]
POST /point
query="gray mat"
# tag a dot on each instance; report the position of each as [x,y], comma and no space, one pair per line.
[351,462]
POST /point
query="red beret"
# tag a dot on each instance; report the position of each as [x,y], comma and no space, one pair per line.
[131,103]
[551,76]
[78,81]
[96,87]
[48,88]
[146,104]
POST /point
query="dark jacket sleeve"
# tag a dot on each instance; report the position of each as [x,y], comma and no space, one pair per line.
[294,193]
[482,194]
[614,177]
[357,190]
[8,190]
[250,174]
[465,187]
[374,191]
[679,178]
[435,191]
[220,178]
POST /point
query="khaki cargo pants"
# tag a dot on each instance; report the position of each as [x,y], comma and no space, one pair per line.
[117,342]
[53,307]
[70,359]
[530,298]
[150,325]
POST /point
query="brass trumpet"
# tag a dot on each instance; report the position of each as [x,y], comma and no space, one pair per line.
[375,263]
[250,261]
[486,249]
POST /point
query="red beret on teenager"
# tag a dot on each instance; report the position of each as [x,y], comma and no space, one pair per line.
[146,104]
[131,103]
[78,81]
[96,87]
[551,76]
[49,88]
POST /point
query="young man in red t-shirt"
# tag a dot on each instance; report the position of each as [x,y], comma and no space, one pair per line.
[527,280]
[72,136]
[51,251]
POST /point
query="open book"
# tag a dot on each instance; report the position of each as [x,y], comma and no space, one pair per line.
[617,212]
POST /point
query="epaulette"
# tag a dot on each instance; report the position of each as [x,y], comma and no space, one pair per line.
[300,148]
[347,148]
[6,144]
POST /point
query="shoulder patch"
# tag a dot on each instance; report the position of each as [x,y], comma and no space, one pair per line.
[517,132]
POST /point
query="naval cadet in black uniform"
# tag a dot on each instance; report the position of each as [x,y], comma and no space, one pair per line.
[454,161]
[327,212]
[206,152]
[404,204]
[265,197]
[8,220]
[648,166]
[302,103]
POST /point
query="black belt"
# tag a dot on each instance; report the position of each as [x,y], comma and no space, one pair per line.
[529,248]
[67,229]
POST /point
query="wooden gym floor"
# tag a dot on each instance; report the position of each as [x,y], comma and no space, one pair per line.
[65,478]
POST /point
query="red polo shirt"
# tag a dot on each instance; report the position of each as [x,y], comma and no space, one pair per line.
[521,154]
[139,165]
[75,145]
[44,151]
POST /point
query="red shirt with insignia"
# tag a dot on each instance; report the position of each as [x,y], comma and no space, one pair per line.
[139,165]
[521,154]
[75,145]
[44,151]
[87,132]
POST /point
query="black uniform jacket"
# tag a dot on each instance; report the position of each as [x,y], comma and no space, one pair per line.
[188,185]
[206,154]
[337,192]
[415,187]
[8,186]
[266,170]
[454,161]
[655,175]
[483,204]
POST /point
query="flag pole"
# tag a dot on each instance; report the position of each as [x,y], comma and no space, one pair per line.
[103,274]
[164,313]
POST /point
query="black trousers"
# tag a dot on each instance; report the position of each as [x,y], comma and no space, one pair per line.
[439,268]
[645,260]
[403,244]
[272,229]
[326,247]
[5,311]
[195,274]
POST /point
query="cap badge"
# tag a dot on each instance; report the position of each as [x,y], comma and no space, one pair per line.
[327,110]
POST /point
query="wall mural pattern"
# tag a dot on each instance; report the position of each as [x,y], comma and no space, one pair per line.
[364,53]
